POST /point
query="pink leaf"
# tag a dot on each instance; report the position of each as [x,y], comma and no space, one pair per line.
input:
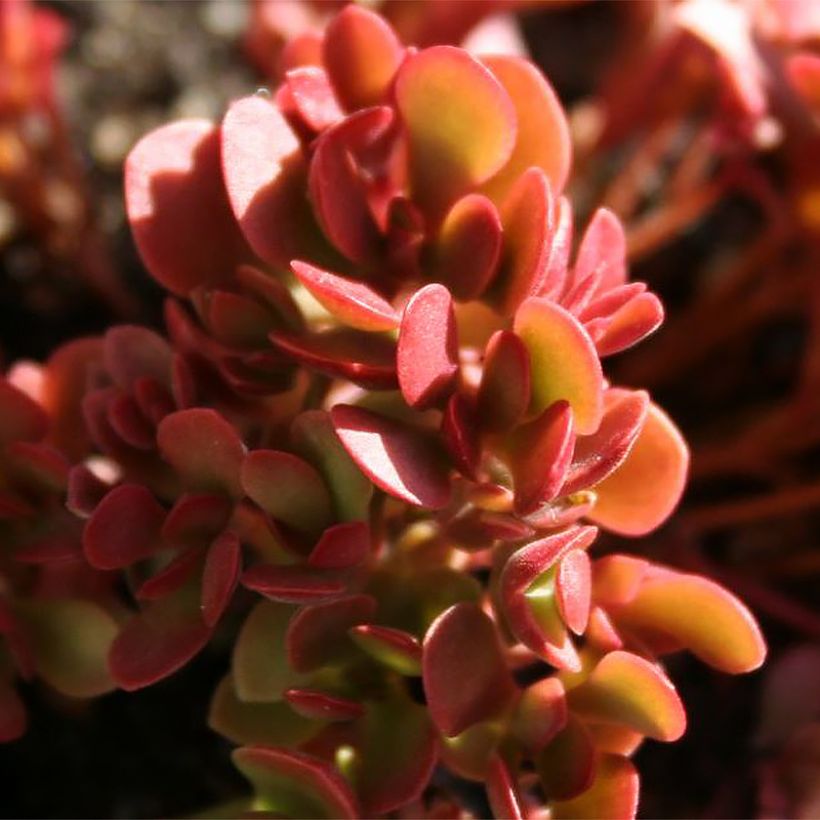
[462,646]
[313,97]
[573,587]
[427,354]
[602,251]
[396,649]
[178,210]
[502,791]
[505,390]
[461,435]
[398,459]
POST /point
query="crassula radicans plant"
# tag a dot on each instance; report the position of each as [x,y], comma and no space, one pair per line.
[374,450]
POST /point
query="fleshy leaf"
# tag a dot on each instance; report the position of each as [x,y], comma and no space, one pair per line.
[21,418]
[395,648]
[505,389]
[361,54]
[124,529]
[632,322]
[313,96]
[295,783]
[427,354]
[387,781]
[625,688]
[600,454]
[700,614]
[173,576]
[573,586]
[260,669]
[462,645]
[566,767]
[613,793]
[203,448]
[539,456]
[459,429]
[450,155]
[564,362]
[540,713]
[642,493]
[131,352]
[602,251]
[177,207]
[468,247]
[268,723]
[616,579]
[287,488]
[219,576]
[317,441]
[526,216]
[292,584]
[196,519]
[502,791]
[321,706]
[351,302]
[265,175]
[398,459]
[340,546]
[803,69]
[70,641]
[543,138]
[318,634]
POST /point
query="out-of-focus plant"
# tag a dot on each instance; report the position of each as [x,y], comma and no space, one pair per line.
[379,434]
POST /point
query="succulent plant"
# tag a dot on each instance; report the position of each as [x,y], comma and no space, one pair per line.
[379,432]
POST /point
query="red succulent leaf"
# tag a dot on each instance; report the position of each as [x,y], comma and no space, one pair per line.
[566,767]
[642,493]
[265,176]
[468,247]
[564,362]
[601,632]
[541,713]
[469,754]
[398,459]
[196,519]
[353,303]
[124,528]
[154,398]
[477,529]
[292,584]
[341,546]
[395,648]
[51,549]
[388,781]
[131,352]
[600,454]
[539,456]
[21,418]
[287,488]
[427,353]
[220,576]
[337,186]
[449,156]
[273,293]
[462,645]
[155,644]
[573,588]
[172,577]
[204,449]
[527,219]
[613,793]
[85,491]
[605,304]
[361,53]
[628,325]
[128,422]
[13,720]
[502,791]
[554,279]
[321,706]
[602,252]
[313,97]
[803,70]
[543,138]
[12,506]
[179,214]
[236,320]
[364,359]
[627,689]
[460,432]
[698,614]
[318,634]
[505,390]
[36,466]
[296,784]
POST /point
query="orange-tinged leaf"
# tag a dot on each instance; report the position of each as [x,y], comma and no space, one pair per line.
[625,688]
[616,578]
[502,791]
[564,363]
[642,493]
[566,767]
[361,54]
[543,138]
[540,714]
[702,615]
[353,303]
[461,124]
[505,390]
[613,794]
[803,70]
